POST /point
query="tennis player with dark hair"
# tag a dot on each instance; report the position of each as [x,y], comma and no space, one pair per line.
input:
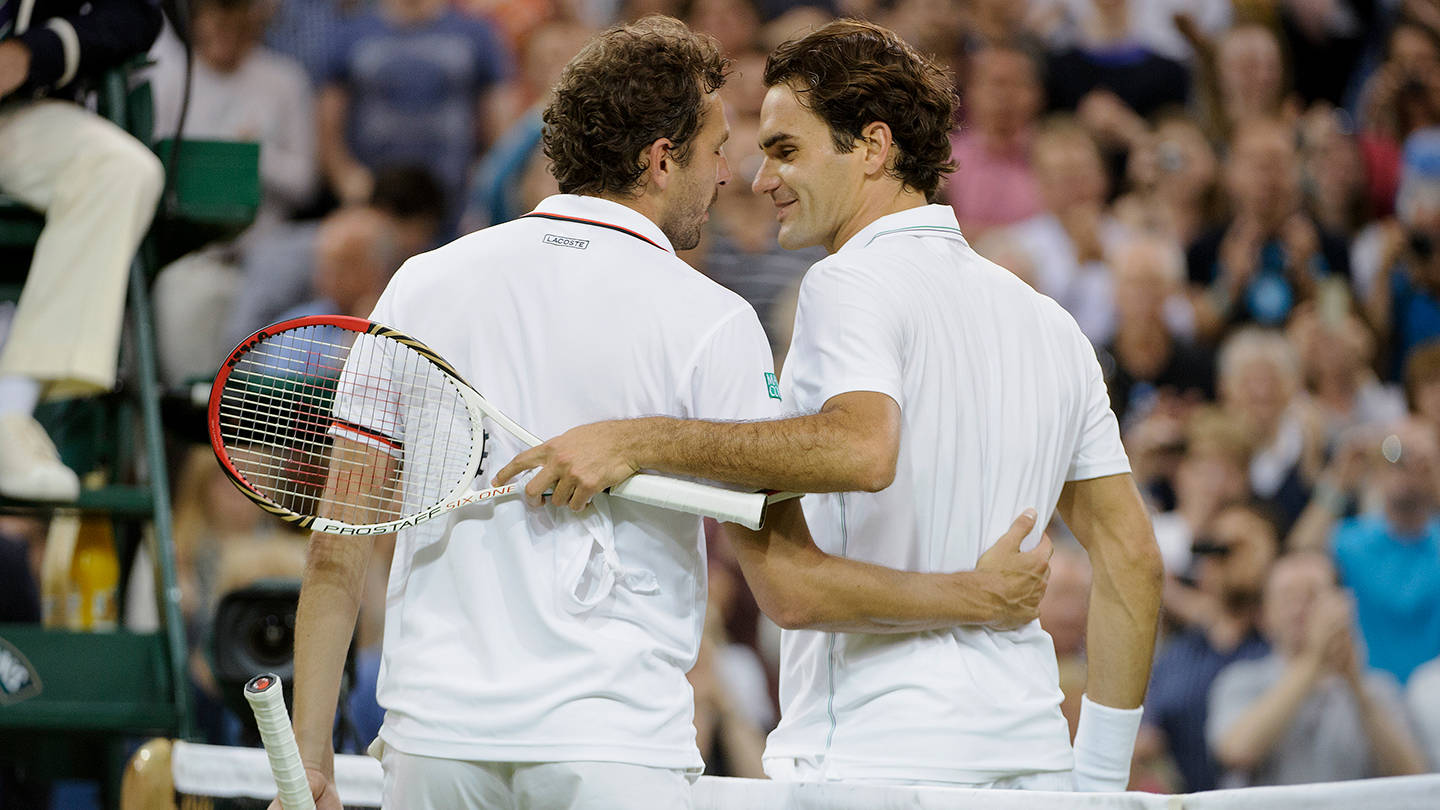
[942,395]
[537,658]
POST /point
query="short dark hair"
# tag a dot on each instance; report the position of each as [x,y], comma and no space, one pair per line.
[627,88]
[408,191]
[852,73]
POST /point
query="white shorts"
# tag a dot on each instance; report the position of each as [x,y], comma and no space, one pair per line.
[812,769]
[428,783]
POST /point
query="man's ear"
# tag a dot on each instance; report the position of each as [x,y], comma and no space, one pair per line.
[659,162]
[879,145]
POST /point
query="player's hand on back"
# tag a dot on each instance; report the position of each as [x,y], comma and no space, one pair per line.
[574,466]
[1018,577]
[322,790]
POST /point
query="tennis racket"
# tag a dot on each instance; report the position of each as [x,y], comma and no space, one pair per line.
[267,700]
[345,426]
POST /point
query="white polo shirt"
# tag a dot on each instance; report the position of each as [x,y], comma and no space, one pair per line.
[504,638]
[1002,401]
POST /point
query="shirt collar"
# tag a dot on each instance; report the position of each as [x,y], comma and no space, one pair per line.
[604,213]
[926,218]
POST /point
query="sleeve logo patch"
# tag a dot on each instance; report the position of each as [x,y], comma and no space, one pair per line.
[772,385]
[566,241]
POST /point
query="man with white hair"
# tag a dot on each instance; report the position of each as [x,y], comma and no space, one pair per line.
[1147,360]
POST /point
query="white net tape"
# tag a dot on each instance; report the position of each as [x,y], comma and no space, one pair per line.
[206,770]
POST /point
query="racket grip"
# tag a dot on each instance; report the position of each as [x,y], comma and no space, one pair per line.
[267,700]
[726,505]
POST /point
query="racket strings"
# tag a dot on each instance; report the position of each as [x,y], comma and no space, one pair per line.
[356,427]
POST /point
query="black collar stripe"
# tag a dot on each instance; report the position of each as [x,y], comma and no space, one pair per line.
[596,223]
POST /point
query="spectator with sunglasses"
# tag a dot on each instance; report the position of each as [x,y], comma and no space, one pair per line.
[1232,562]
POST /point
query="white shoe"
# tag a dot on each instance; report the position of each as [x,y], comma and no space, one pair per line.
[30,468]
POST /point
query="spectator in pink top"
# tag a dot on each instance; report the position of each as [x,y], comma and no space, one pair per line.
[995,185]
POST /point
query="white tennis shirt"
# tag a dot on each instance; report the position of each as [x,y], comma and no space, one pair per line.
[1002,401]
[507,636]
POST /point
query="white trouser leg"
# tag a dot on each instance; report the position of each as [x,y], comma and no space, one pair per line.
[599,786]
[414,782]
[98,187]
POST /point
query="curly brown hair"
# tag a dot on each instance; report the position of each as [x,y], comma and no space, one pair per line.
[853,73]
[627,88]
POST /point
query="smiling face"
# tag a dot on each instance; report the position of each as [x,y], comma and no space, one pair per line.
[815,187]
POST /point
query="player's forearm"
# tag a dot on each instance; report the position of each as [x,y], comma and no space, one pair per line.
[1124,611]
[801,587]
[324,622]
[1246,743]
[823,452]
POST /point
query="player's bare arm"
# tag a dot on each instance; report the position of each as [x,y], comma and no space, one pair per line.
[851,445]
[330,595]
[1109,519]
[801,587]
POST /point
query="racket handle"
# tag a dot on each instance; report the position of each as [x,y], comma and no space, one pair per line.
[726,505]
[267,700]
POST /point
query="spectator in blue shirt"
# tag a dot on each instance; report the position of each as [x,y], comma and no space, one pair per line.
[407,85]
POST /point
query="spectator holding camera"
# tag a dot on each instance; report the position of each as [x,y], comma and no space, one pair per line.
[1310,711]
[1231,565]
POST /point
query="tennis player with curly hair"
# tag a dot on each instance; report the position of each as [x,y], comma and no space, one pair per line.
[941,395]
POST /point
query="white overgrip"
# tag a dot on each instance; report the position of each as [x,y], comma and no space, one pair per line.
[729,506]
[267,701]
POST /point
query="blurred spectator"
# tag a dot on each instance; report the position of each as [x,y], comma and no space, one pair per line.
[1309,711]
[407,85]
[1401,288]
[307,30]
[744,90]
[1210,475]
[734,23]
[1151,23]
[1332,171]
[1270,255]
[1108,56]
[1336,351]
[494,193]
[97,187]
[1400,97]
[1064,610]
[279,270]
[934,27]
[994,184]
[1422,383]
[241,91]
[1172,174]
[1144,360]
[1422,697]
[1259,379]
[1233,561]
[1247,81]
[1389,559]
[355,256]
[1068,242]
[1324,39]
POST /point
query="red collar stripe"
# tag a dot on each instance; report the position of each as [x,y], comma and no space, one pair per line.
[596,223]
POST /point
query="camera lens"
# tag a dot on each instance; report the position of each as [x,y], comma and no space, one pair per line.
[272,639]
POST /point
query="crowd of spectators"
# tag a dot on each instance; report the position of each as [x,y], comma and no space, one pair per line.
[1238,201]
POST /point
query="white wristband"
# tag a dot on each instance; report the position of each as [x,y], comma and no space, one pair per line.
[1104,743]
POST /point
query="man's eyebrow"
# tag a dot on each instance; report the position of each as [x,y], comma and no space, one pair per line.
[774,139]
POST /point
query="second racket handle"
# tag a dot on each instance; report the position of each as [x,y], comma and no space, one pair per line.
[267,700]
[744,508]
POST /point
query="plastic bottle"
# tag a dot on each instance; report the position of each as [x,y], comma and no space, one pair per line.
[94,576]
